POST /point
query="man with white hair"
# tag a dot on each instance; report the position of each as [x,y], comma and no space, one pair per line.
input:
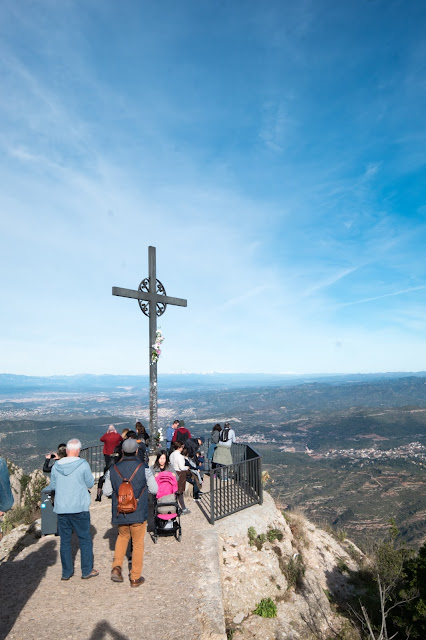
[71,478]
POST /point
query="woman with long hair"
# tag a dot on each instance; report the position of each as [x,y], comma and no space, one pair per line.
[162,463]
[214,439]
[143,435]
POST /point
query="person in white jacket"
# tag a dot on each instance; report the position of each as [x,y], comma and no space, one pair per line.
[178,462]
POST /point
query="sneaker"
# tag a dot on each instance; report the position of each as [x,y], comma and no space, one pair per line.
[185,511]
[197,499]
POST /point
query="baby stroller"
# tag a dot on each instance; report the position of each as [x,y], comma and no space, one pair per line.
[166,508]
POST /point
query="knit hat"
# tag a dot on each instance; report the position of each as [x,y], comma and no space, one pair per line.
[130,446]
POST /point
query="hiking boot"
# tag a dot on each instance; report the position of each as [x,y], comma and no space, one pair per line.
[137,583]
[116,575]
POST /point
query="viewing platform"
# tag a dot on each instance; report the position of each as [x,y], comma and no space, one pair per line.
[237,487]
[182,595]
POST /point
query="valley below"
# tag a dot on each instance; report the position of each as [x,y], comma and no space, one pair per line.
[349,453]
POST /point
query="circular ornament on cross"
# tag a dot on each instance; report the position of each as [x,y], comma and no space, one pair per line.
[160,307]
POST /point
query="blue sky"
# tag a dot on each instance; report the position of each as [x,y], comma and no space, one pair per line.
[273,152]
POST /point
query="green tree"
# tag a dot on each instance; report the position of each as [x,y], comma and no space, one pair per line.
[411,617]
[389,571]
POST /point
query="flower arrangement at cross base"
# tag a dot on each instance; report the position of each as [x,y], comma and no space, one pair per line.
[158,436]
[156,350]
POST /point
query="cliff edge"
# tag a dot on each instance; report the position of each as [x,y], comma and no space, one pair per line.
[287,562]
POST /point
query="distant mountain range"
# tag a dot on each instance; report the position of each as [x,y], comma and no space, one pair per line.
[90,382]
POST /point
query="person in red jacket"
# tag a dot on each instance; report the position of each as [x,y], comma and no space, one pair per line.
[110,439]
[181,434]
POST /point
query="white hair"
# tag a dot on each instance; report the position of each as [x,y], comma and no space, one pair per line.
[73,445]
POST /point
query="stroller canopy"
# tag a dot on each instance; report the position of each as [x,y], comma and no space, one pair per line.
[167,483]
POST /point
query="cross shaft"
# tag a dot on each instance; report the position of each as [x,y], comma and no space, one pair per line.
[153,298]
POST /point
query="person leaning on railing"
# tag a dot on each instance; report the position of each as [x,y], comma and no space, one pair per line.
[215,437]
[222,456]
[110,439]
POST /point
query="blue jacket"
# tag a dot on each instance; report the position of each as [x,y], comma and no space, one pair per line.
[6,497]
[71,478]
[169,434]
[126,466]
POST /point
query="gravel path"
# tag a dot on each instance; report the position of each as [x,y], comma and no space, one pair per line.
[181,597]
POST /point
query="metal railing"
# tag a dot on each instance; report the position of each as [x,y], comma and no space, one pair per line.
[95,458]
[236,486]
[232,488]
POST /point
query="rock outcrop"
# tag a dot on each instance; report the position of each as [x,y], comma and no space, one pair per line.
[26,490]
[290,561]
[15,474]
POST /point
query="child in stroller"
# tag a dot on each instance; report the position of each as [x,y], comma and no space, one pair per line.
[166,508]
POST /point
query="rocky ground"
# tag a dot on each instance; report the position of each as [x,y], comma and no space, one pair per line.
[209,583]
[180,598]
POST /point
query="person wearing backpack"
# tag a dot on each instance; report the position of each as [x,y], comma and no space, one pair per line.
[127,483]
[222,455]
[181,434]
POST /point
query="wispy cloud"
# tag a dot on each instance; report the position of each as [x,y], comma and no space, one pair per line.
[327,282]
[371,169]
[385,295]
[275,127]
[251,293]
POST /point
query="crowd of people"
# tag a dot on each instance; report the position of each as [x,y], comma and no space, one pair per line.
[127,480]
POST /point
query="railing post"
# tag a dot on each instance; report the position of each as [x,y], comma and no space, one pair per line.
[259,461]
[212,479]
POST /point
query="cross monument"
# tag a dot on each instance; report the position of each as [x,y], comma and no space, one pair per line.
[153,301]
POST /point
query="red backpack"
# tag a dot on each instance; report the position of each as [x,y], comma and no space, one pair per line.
[126,501]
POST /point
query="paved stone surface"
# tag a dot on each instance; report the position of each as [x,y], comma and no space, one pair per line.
[181,597]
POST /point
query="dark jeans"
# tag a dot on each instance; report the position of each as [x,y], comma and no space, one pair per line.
[220,473]
[80,523]
[191,480]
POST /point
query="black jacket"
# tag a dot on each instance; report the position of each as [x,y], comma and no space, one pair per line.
[192,447]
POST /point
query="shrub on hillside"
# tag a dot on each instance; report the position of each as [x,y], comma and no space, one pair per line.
[266,608]
[28,511]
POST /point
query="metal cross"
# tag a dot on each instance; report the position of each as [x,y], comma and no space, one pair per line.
[153,301]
